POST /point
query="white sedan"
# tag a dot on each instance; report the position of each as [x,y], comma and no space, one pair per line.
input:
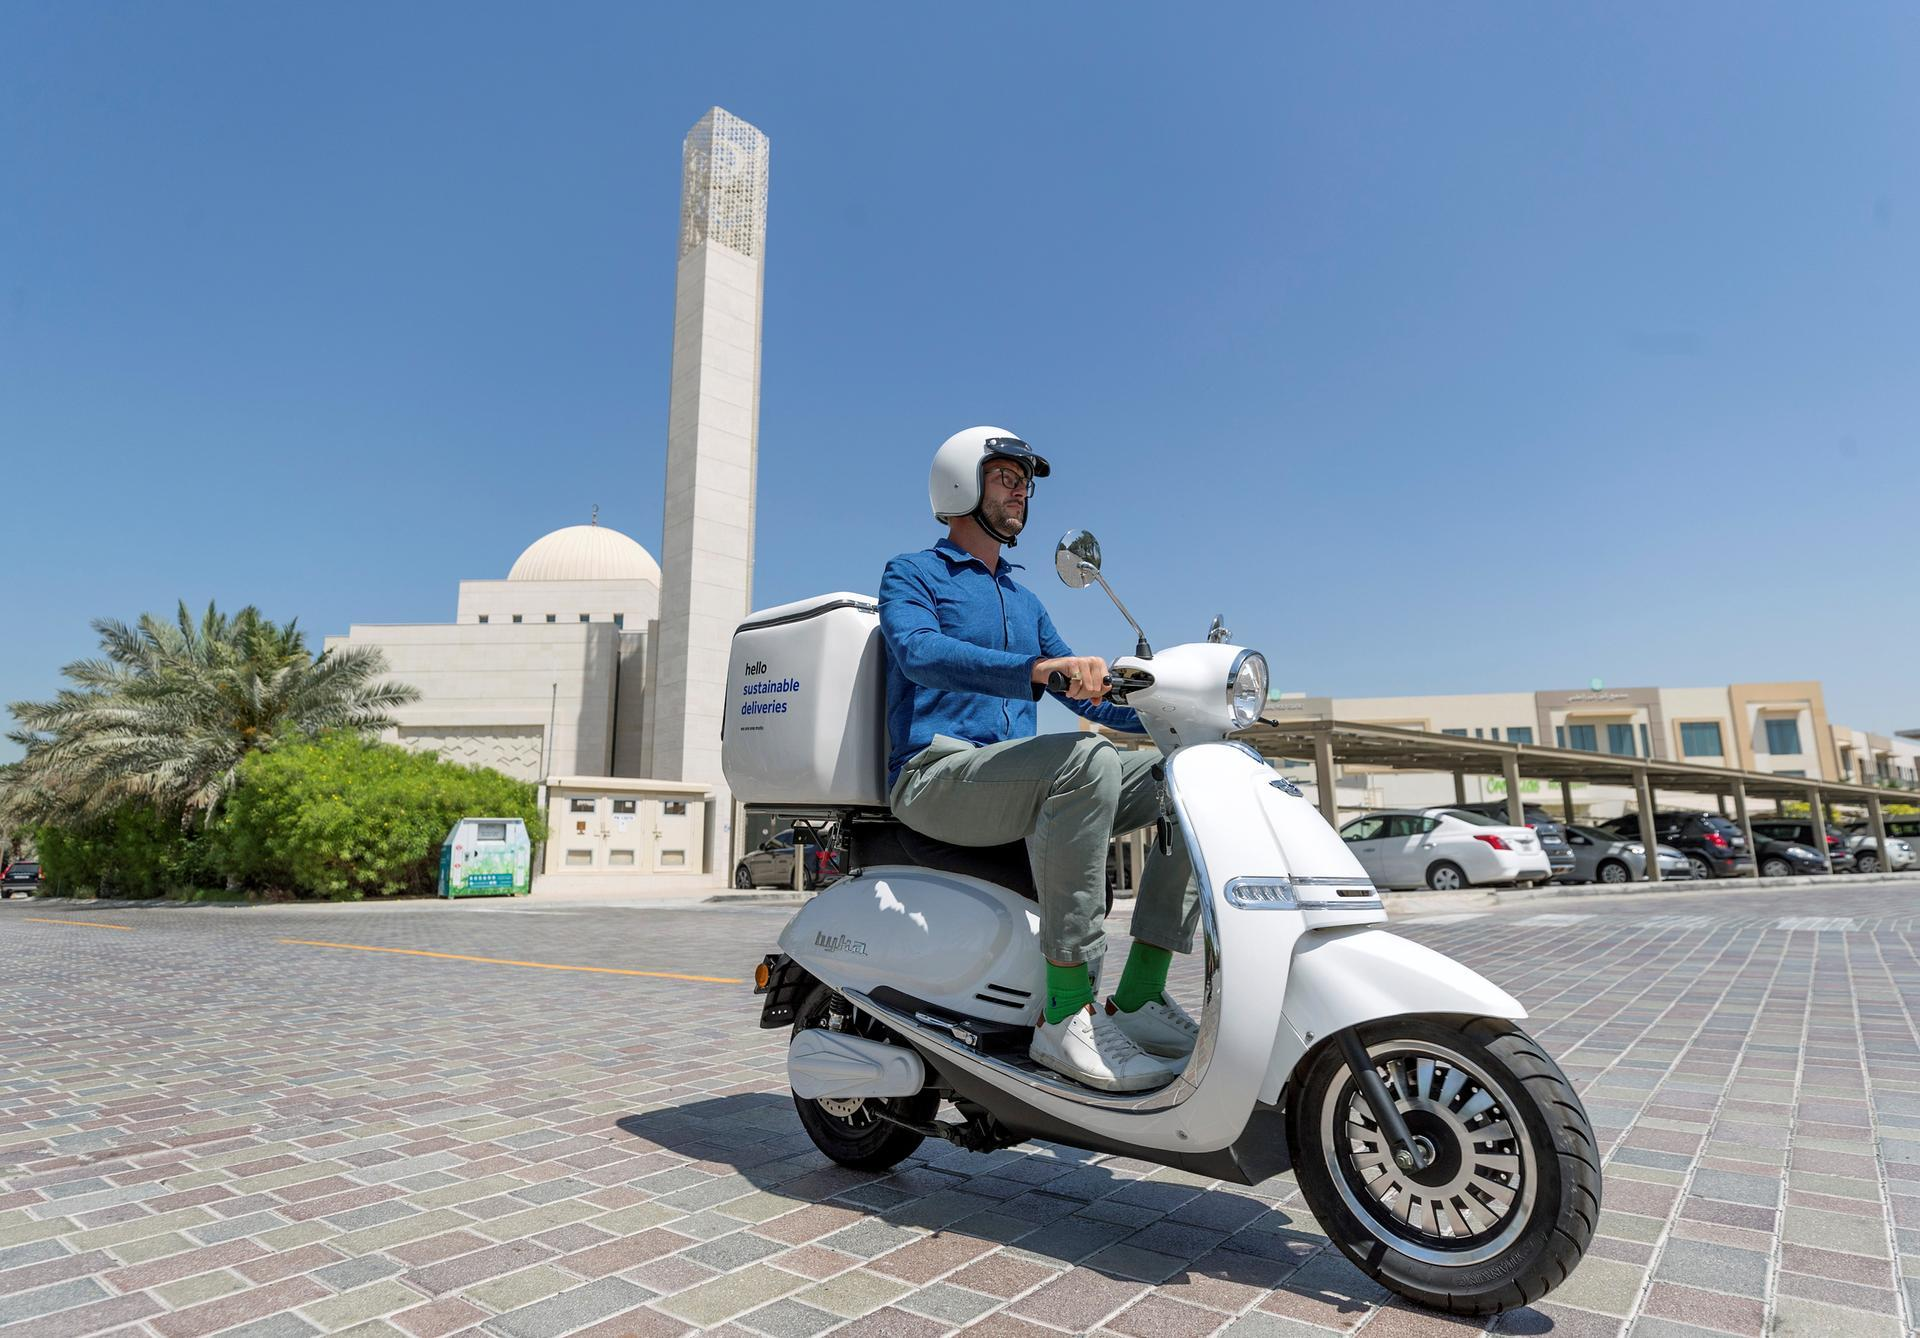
[1444,851]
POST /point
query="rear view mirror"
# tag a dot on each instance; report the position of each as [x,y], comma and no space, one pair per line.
[1077,551]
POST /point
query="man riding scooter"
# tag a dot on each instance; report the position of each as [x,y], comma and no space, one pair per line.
[969,652]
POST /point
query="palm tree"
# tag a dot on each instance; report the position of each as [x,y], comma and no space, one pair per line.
[168,710]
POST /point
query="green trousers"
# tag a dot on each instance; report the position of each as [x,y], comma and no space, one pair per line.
[1067,795]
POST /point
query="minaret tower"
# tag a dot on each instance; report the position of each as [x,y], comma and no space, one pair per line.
[713,432]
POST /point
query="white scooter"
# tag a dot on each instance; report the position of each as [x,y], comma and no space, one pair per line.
[1439,1147]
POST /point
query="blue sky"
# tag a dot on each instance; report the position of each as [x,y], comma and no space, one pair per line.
[1441,349]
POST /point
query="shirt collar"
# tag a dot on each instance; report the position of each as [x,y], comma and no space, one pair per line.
[953,552]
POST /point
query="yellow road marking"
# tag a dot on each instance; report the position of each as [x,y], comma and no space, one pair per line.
[507,961]
[88,924]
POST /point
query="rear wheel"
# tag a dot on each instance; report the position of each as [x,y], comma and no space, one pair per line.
[1701,869]
[1446,877]
[1614,871]
[849,1130]
[1508,1203]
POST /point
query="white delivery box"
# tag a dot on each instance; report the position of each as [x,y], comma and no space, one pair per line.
[806,716]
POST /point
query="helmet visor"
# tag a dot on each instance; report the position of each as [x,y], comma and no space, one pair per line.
[1012,448]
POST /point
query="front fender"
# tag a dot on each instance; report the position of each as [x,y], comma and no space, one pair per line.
[1343,977]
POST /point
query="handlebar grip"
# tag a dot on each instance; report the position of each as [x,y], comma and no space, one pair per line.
[1057,682]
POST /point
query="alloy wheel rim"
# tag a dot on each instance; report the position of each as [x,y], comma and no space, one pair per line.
[1613,873]
[1474,1198]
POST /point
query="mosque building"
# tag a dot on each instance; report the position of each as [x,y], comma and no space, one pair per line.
[592,668]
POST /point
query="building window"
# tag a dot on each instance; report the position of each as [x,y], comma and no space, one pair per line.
[1519,733]
[619,620]
[623,805]
[1559,736]
[1795,772]
[1620,740]
[551,618]
[580,805]
[1455,733]
[1783,736]
[675,808]
[1701,738]
[483,617]
[516,617]
[586,617]
[1583,737]
[1646,744]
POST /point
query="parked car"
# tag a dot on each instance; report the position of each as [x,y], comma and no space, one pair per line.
[1553,837]
[1606,857]
[1444,850]
[1714,847]
[23,875]
[1866,855]
[772,864]
[1779,859]
[1799,831]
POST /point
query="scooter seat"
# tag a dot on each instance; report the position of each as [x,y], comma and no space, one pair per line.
[890,841]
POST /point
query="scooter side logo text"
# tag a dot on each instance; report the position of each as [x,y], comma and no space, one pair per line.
[839,943]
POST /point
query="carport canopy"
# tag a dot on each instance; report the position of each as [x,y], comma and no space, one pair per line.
[1386,747]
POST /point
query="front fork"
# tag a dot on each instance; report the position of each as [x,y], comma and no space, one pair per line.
[1409,1154]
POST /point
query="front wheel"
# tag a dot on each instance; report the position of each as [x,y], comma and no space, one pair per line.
[743,877]
[1508,1202]
[1775,868]
[1866,862]
[1614,871]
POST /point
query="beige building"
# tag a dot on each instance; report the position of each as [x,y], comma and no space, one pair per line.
[590,662]
[1775,727]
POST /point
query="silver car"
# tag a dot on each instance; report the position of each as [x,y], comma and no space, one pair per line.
[1866,854]
[1602,857]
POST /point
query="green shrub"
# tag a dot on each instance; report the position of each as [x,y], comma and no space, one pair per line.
[345,819]
[132,851]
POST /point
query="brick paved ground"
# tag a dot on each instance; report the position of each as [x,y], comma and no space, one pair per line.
[204,1129]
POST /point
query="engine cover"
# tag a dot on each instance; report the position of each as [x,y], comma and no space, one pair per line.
[962,944]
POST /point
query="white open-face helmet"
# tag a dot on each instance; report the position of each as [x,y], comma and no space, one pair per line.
[955,487]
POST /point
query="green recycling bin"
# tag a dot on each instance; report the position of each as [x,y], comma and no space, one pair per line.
[486,857]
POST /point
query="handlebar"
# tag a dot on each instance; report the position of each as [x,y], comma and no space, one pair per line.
[1059,682]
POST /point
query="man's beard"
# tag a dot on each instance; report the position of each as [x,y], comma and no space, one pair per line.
[1004,518]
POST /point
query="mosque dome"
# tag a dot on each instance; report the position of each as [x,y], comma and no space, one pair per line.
[585,553]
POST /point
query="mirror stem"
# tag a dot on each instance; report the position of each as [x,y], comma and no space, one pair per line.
[1141,649]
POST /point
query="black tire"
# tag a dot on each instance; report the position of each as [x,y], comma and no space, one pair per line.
[743,877]
[859,1139]
[1775,868]
[1446,876]
[1527,1249]
[1615,871]
[1866,862]
[1701,869]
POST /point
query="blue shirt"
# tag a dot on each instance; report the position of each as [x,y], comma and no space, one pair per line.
[961,645]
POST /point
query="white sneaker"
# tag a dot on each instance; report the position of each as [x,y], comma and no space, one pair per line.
[1090,1049]
[1161,1027]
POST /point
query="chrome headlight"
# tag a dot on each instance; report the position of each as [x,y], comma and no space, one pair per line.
[1247,688]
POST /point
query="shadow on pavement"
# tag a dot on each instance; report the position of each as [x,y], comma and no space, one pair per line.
[1051,1202]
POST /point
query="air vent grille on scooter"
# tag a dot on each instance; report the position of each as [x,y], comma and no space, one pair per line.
[1008,989]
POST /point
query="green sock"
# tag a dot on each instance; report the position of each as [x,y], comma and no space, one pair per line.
[1068,990]
[1145,978]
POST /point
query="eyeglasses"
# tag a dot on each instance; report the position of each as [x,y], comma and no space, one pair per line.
[1013,480]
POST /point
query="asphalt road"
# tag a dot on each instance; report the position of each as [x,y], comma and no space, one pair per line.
[437,1118]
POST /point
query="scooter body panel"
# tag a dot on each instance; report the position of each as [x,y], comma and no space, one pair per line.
[1344,977]
[960,943]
